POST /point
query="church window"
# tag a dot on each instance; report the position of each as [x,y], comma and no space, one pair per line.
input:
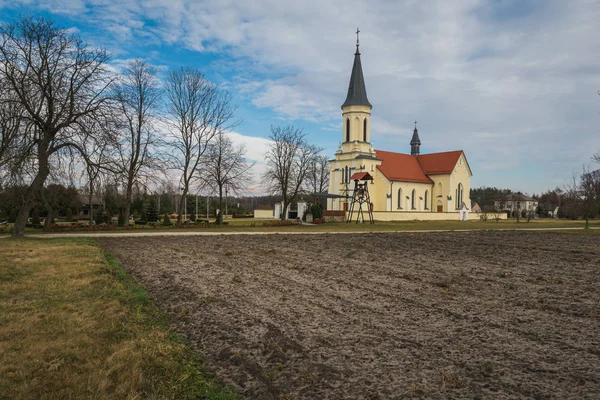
[413,199]
[365,130]
[459,195]
[347,175]
[347,129]
[400,199]
[427,199]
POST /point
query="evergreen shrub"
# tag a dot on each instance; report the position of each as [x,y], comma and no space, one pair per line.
[35,219]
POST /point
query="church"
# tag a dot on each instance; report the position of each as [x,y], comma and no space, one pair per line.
[404,186]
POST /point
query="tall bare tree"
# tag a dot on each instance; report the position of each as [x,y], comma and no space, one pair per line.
[289,158]
[99,159]
[199,110]
[138,96]
[589,193]
[11,139]
[60,83]
[317,180]
[226,168]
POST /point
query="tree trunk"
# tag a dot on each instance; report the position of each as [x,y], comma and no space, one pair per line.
[36,186]
[90,203]
[286,205]
[220,214]
[182,205]
[49,216]
[48,207]
[128,202]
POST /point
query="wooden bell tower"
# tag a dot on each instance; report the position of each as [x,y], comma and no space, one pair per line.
[360,198]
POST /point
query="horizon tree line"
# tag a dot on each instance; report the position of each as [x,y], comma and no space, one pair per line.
[63,112]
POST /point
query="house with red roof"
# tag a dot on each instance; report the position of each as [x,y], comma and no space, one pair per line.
[404,185]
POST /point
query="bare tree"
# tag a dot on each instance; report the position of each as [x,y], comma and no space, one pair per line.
[226,169]
[10,129]
[589,188]
[289,158]
[317,179]
[59,83]
[138,95]
[199,110]
[99,159]
[572,198]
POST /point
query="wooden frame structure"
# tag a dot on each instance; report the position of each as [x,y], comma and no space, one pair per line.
[361,198]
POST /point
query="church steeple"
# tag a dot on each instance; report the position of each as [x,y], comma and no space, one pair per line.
[357,93]
[415,142]
[356,111]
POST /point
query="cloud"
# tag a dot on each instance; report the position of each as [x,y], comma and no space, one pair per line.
[512,83]
[255,152]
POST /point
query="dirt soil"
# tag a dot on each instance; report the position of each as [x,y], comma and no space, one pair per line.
[502,315]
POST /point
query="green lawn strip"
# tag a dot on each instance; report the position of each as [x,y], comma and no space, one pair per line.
[74,324]
[249,225]
[181,375]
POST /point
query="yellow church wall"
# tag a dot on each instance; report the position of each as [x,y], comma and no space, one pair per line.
[461,174]
[389,216]
[356,114]
[441,194]
[407,188]
[378,190]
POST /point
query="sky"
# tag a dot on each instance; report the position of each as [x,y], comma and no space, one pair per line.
[512,83]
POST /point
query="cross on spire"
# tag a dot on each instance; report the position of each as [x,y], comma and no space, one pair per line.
[357,32]
[415,124]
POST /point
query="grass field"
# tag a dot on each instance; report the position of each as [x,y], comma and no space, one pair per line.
[74,325]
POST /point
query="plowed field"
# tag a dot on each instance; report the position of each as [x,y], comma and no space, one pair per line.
[383,316]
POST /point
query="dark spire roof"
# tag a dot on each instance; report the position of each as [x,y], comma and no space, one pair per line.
[415,138]
[357,93]
[415,142]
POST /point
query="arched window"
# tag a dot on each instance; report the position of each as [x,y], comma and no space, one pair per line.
[427,199]
[347,176]
[459,195]
[413,199]
[347,129]
[365,130]
[343,175]
[400,199]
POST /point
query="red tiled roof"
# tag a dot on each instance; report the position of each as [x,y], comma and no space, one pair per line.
[361,176]
[401,167]
[439,163]
[408,168]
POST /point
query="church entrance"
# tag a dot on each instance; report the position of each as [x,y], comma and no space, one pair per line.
[440,207]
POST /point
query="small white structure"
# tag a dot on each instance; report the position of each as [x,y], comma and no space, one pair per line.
[277,214]
[463,212]
[302,206]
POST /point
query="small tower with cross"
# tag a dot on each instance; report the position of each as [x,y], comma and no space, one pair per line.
[415,142]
